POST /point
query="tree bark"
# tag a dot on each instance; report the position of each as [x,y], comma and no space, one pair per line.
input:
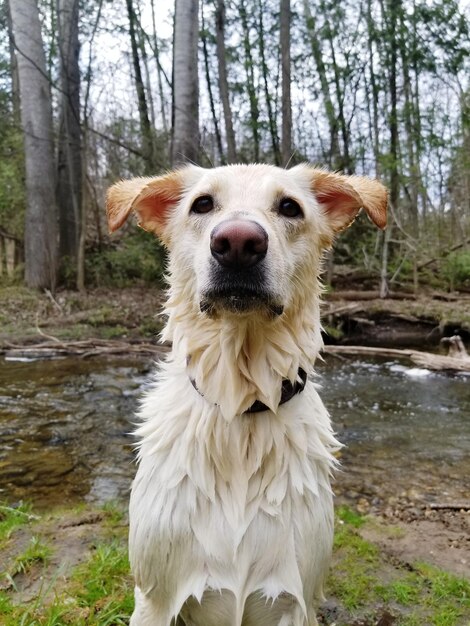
[69,160]
[145,127]
[223,81]
[41,233]
[15,83]
[156,53]
[334,160]
[264,70]
[218,136]
[250,81]
[185,145]
[286,137]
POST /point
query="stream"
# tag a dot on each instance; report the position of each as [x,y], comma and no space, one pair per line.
[64,428]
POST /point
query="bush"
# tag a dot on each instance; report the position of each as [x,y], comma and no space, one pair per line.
[137,258]
[456,269]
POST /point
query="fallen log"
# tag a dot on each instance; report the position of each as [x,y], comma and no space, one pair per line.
[427,360]
[368,295]
[82,349]
[452,506]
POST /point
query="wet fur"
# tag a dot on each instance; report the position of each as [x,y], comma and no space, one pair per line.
[231,513]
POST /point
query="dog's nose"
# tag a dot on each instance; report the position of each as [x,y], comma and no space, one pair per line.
[239,244]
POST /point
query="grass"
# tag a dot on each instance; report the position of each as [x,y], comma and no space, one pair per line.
[361,578]
[12,518]
[99,591]
[37,551]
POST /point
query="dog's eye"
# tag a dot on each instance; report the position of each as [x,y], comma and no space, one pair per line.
[204,204]
[290,208]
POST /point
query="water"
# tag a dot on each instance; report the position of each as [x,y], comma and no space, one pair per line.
[64,428]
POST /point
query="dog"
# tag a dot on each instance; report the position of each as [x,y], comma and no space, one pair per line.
[231,509]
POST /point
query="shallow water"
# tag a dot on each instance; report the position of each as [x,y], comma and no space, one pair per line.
[406,429]
[64,428]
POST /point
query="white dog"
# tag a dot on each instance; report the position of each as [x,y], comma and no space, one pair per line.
[231,513]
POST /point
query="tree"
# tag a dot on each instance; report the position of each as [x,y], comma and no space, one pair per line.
[41,235]
[145,127]
[286,137]
[223,81]
[185,140]
[69,165]
[250,81]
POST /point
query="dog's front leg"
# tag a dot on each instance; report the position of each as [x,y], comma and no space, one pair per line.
[147,613]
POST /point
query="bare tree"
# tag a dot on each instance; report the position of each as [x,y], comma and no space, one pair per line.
[286,138]
[223,81]
[145,127]
[41,236]
[215,121]
[250,81]
[69,160]
[185,145]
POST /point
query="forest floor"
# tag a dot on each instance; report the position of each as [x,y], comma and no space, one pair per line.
[404,564]
[28,317]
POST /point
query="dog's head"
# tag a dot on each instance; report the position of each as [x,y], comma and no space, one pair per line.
[247,238]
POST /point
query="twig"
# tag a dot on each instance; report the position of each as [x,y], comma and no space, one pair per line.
[43,334]
[53,300]
[453,506]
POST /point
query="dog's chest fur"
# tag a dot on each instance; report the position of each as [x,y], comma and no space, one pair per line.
[241,506]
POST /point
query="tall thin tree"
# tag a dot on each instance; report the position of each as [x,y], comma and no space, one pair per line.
[41,234]
[145,127]
[69,160]
[286,104]
[185,144]
[223,80]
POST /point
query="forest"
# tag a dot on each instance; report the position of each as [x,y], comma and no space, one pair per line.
[91,92]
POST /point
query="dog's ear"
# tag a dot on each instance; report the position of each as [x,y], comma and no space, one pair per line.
[150,198]
[341,197]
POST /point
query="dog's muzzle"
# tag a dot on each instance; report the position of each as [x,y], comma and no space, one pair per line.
[238,273]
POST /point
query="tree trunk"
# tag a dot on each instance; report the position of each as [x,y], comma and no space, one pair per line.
[334,160]
[250,81]
[286,140]
[69,160]
[371,36]
[185,146]
[408,115]
[15,83]
[209,89]
[264,70]
[156,52]
[393,116]
[145,127]
[41,233]
[223,81]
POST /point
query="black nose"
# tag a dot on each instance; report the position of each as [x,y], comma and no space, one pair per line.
[239,244]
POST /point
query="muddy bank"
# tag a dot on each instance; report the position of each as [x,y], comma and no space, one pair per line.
[355,318]
[134,313]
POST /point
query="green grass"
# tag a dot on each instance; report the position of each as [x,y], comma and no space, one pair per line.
[99,591]
[361,579]
[12,518]
[37,551]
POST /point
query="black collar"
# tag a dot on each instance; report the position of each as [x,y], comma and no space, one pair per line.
[288,391]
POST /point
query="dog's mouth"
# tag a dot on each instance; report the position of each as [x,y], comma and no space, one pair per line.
[240,291]
[237,299]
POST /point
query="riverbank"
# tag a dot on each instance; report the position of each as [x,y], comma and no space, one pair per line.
[360,318]
[70,567]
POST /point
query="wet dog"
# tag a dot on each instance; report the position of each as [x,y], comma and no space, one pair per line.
[231,513]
